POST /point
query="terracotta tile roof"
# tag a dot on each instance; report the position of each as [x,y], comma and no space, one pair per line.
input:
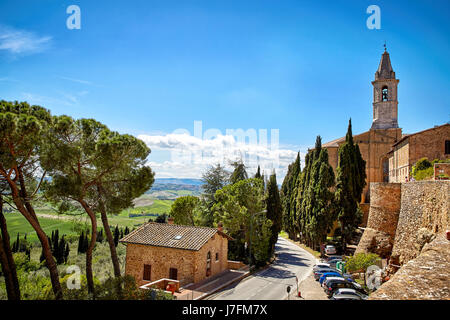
[172,236]
[333,143]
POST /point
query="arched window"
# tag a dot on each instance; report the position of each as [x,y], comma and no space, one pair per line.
[384,94]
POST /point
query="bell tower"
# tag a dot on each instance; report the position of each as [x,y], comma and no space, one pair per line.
[385,103]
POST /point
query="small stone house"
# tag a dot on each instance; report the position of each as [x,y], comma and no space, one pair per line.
[188,254]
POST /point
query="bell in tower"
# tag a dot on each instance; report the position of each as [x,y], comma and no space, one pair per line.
[385,103]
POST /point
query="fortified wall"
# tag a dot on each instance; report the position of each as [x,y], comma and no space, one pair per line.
[384,211]
[403,217]
[407,224]
[424,214]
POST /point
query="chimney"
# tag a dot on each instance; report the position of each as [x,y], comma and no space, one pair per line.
[170,220]
[220,226]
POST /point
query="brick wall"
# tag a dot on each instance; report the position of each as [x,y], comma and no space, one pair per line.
[441,171]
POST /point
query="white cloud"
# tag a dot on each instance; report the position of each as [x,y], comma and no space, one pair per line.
[77,80]
[19,42]
[190,155]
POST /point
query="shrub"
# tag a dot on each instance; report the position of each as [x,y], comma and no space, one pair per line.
[423,169]
[361,261]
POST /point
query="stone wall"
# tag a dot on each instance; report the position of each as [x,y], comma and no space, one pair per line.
[378,237]
[161,259]
[425,277]
[217,244]
[424,213]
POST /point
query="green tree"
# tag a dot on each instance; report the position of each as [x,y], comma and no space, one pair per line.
[183,210]
[258,173]
[122,178]
[6,256]
[241,209]
[318,199]
[288,194]
[274,211]
[214,178]
[162,218]
[351,179]
[100,169]
[239,173]
[22,128]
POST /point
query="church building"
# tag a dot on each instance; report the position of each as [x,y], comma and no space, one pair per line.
[377,142]
[388,153]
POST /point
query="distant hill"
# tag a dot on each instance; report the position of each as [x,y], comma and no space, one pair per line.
[194,182]
[172,188]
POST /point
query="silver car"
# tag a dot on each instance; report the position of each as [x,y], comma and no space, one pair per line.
[348,294]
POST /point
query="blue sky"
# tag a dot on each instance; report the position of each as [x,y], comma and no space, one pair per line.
[150,67]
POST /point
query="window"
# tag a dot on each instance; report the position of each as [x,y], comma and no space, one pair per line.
[147,272]
[384,94]
[208,264]
[173,273]
[217,256]
[447,146]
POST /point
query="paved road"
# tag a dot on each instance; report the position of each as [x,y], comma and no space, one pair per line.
[271,283]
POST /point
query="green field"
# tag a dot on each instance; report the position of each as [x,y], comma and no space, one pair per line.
[65,223]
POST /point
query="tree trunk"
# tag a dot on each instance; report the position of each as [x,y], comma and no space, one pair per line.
[31,218]
[109,236]
[89,273]
[7,260]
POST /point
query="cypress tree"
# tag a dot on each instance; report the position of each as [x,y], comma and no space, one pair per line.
[351,179]
[274,211]
[319,200]
[285,194]
[80,242]
[294,184]
[66,252]
[116,236]
[258,173]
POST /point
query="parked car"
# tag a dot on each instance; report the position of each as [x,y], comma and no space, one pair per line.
[333,262]
[318,273]
[333,257]
[329,274]
[329,279]
[335,283]
[348,294]
[321,265]
[330,249]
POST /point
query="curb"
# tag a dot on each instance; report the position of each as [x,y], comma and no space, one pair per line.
[245,275]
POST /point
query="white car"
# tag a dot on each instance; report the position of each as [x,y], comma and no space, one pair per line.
[330,249]
[348,294]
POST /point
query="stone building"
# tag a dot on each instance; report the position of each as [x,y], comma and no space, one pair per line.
[185,253]
[433,143]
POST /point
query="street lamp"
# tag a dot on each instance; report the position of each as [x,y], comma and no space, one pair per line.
[250,238]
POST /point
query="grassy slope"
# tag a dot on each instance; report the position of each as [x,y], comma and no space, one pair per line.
[18,224]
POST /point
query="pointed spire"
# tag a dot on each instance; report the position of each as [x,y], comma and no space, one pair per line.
[385,70]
